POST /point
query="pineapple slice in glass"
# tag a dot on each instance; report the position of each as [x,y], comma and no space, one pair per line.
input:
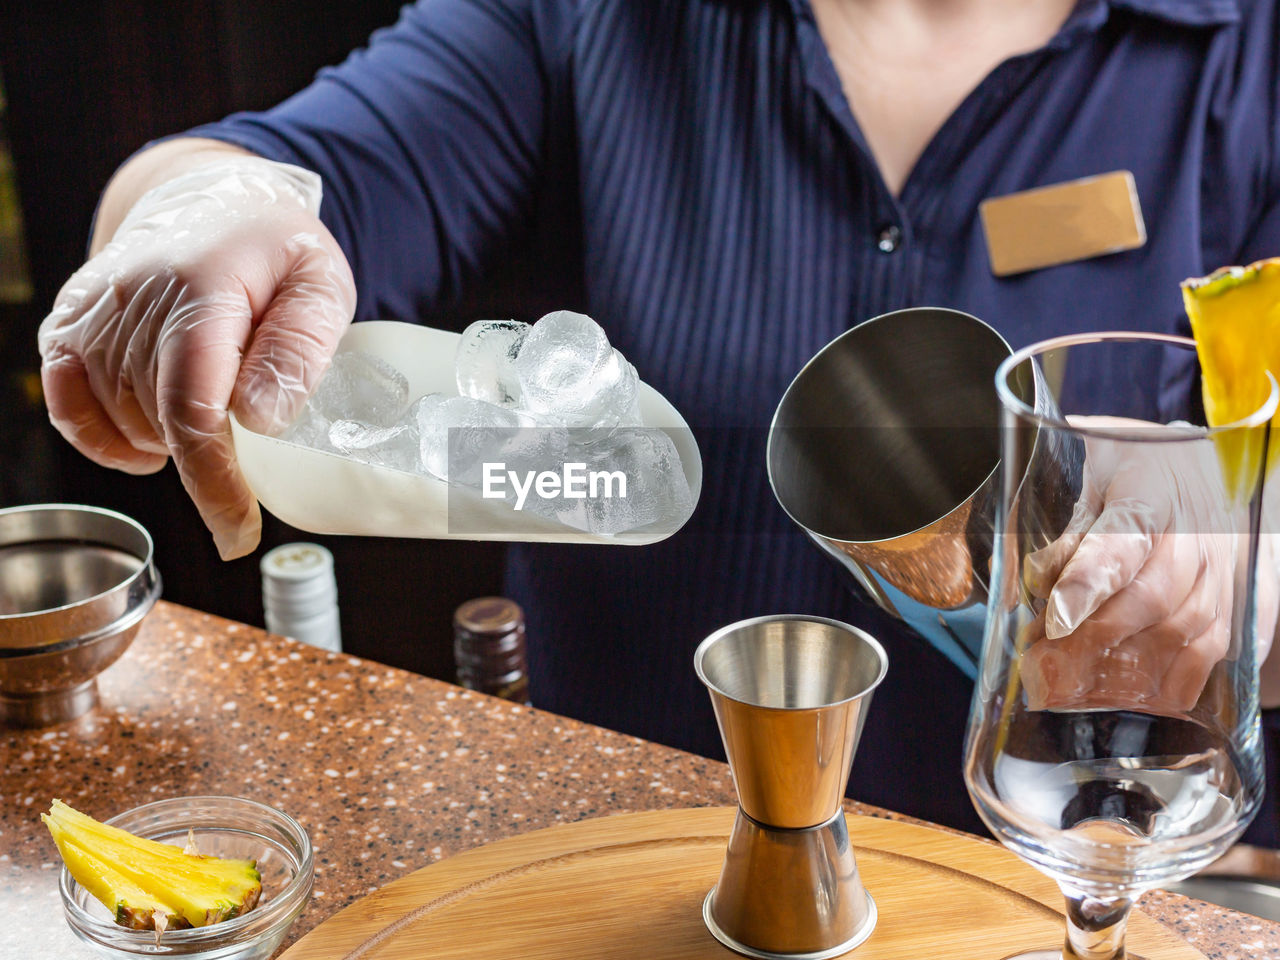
[1235,320]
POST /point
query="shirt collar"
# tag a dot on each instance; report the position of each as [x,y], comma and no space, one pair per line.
[1191,13]
[1089,16]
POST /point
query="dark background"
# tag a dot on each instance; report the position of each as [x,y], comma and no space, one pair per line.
[87,85]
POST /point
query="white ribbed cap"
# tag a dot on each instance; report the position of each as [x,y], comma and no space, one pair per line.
[297,562]
[300,594]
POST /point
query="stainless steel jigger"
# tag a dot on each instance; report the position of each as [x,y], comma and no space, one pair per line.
[790,694]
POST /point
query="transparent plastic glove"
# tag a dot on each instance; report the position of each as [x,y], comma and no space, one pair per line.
[1140,584]
[221,289]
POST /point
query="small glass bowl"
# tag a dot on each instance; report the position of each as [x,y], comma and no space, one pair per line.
[224,827]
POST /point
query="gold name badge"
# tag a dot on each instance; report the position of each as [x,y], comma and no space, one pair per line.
[1063,223]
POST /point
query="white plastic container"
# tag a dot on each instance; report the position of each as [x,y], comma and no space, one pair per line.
[323,493]
[300,595]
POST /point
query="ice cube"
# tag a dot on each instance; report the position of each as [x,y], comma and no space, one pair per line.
[657,489]
[360,386]
[567,369]
[396,446]
[634,478]
[616,401]
[310,429]
[484,363]
[456,434]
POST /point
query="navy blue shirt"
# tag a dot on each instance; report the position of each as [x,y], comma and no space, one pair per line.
[689,173]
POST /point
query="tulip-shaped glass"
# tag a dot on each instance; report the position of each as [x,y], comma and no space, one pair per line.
[1113,737]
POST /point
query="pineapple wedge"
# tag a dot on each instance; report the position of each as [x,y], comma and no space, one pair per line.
[1235,319]
[149,885]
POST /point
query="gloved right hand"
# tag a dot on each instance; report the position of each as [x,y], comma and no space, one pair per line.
[1140,586]
[221,289]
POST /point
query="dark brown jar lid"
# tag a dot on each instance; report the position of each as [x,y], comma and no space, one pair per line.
[487,616]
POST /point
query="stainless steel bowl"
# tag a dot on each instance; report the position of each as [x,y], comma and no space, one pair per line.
[75,583]
[1259,896]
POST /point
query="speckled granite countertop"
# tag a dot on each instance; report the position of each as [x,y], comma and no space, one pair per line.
[388,771]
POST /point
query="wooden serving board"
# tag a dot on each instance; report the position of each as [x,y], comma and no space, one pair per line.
[632,885]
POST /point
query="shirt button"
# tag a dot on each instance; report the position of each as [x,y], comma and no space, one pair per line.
[889,239]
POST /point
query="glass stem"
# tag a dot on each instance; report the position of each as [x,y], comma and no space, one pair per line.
[1095,928]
